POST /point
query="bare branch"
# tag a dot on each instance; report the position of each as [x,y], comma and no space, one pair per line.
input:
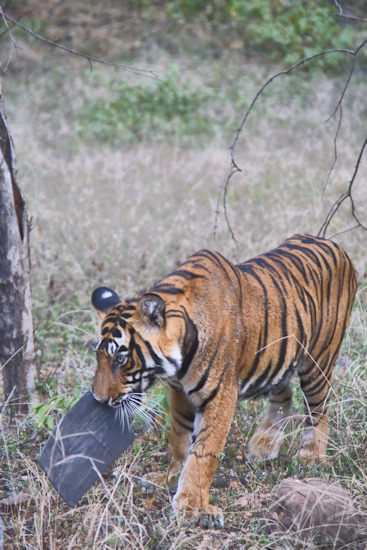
[339,107]
[344,231]
[344,90]
[335,149]
[142,72]
[355,53]
[12,41]
[226,217]
[339,7]
[353,17]
[346,195]
[342,14]
[233,167]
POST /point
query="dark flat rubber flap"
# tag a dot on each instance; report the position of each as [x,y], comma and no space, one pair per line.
[83,445]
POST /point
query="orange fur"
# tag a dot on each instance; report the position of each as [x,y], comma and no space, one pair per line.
[218,332]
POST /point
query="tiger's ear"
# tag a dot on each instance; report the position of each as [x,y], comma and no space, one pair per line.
[152,310]
[103,299]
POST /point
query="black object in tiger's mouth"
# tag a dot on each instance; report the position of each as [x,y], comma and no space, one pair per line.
[89,438]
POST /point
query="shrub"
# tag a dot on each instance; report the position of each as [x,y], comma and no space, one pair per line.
[281,30]
[155,110]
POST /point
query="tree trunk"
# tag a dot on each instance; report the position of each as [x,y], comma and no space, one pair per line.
[17,351]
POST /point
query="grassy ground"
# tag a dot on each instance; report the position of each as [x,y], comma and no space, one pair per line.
[120,193]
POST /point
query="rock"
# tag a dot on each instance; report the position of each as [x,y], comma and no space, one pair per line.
[319,511]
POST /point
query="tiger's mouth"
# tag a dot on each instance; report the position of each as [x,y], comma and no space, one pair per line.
[133,392]
[137,405]
[123,400]
[129,406]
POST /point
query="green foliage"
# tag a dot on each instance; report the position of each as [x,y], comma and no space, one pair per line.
[156,110]
[281,30]
[64,339]
[160,400]
[292,30]
[49,413]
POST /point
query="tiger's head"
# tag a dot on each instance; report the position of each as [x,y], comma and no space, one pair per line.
[138,345]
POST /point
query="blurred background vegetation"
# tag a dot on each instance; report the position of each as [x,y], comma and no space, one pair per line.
[193,34]
[121,169]
[275,30]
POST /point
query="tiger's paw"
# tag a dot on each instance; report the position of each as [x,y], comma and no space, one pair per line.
[265,445]
[314,443]
[152,480]
[311,456]
[210,517]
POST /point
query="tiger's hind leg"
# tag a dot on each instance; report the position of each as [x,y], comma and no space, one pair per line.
[316,387]
[266,442]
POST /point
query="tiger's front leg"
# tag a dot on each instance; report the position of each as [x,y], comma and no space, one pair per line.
[182,414]
[182,428]
[211,427]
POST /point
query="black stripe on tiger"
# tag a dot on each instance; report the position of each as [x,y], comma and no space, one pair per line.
[199,386]
[184,425]
[218,331]
[190,345]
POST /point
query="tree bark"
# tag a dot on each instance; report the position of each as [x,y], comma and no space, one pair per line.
[17,350]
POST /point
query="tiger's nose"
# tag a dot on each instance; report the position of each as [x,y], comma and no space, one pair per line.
[99,399]
[101,384]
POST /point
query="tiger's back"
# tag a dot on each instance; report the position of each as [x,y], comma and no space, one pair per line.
[304,294]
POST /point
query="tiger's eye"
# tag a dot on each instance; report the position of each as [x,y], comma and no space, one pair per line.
[121,357]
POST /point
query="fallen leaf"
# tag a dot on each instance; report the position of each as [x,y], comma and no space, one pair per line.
[148,503]
[244,501]
[235,484]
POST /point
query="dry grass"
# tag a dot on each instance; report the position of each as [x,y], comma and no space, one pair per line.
[125,218]
[129,216]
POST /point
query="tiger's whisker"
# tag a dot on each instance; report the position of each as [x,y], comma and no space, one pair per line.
[152,408]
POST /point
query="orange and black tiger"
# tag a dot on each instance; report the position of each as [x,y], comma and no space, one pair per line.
[218,332]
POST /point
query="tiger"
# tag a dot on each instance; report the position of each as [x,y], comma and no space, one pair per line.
[219,332]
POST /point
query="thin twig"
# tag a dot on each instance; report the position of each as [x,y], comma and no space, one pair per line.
[346,85]
[342,14]
[347,194]
[352,17]
[340,107]
[226,216]
[233,168]
[12,41]
[142,72]
[344,231]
